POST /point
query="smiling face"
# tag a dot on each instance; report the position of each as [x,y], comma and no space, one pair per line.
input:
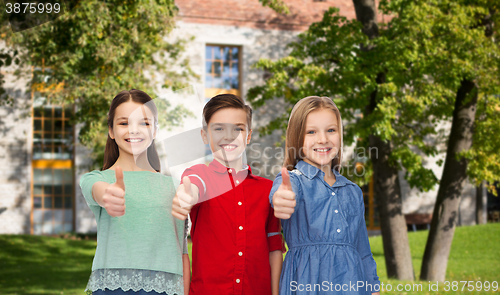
[322,138]
[228,135]
[133,128]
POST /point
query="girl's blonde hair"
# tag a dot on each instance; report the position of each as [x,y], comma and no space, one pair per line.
[295,132]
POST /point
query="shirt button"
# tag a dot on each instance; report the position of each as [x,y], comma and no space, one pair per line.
[237,181]
[333,194]
[238,281]
[338,230]
[230,170]
[239,203]
[241,227]
[336,211]
[240,253]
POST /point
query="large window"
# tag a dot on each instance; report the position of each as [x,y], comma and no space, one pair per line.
[52,168]
[52,133]
[52,200]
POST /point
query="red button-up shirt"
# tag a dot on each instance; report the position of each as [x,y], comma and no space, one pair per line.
[233,230]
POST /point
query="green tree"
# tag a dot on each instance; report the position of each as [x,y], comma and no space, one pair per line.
[98,48]
[434,63]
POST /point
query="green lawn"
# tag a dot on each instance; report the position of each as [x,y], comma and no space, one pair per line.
[44,265]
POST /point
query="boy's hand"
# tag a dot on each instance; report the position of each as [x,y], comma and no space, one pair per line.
[284,198]
[184,200]
[114,195]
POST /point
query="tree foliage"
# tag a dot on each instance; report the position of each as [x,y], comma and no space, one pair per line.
[99,48]
[424,51]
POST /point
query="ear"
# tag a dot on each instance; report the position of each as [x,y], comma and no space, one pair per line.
[249,136]
[110,132]
[204,136]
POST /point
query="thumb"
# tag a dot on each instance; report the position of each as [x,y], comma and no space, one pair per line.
[285,184]
[119,177]
[187,185]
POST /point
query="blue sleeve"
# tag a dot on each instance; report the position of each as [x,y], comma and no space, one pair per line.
[364,250]
[295,186]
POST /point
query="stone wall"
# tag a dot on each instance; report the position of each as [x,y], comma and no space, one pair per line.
[15,151]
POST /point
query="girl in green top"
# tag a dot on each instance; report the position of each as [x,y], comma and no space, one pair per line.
[140,246]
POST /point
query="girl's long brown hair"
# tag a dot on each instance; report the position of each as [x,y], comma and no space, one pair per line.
[295,132]
[111,152]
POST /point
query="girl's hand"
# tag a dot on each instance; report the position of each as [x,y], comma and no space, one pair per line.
[114,196]
[284,198]
[185,198]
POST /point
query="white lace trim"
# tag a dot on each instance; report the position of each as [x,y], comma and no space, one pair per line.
[135,279]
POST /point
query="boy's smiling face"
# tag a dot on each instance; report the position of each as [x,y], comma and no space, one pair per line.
[228,134]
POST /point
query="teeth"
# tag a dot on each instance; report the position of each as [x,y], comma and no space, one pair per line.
[134,140]
[229,147]
[322,150]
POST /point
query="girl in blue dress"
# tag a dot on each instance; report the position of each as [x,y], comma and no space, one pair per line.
[322,213]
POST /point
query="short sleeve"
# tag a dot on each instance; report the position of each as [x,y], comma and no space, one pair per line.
[86,183]
[277,182]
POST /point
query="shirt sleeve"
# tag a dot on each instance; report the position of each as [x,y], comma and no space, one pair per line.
[274,237]
[86,183]
[196,179]
[364,250]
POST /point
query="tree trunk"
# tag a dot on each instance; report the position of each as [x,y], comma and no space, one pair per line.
[454,176]
[480,204]
[386,182]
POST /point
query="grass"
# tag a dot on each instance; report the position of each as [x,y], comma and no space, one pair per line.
[474,256]
[46,265]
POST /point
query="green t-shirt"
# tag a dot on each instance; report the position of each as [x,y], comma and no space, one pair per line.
[147,237]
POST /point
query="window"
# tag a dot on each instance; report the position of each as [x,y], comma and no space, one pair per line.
[52,200]
[52,133]
[222,70]
[52,184]
[371,209]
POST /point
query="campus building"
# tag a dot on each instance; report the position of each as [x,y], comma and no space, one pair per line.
[42,160]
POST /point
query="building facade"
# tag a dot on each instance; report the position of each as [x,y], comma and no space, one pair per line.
[42,160]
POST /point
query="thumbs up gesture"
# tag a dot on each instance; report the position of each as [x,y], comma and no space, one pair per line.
[114,195]
[284,198]
[185,198]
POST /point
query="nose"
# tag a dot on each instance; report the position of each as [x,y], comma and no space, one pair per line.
[321,137]
[133,128]
[229,134]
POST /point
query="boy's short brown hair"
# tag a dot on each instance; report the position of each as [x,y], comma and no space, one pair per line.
[223,101]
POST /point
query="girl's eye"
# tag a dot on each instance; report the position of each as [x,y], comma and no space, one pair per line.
[145,124]
[123,123]
[331,130]
[310,132]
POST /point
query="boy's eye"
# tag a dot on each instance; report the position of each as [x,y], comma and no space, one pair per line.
[145,124]
[239,129]
[123,123]
[218,129]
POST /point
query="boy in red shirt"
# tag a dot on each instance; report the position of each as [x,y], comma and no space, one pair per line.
[237,243]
